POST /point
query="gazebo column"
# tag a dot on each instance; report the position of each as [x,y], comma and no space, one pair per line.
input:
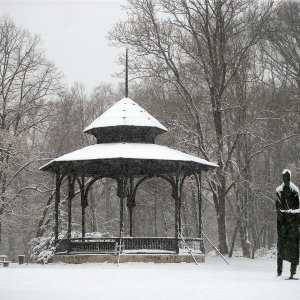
[121,216]
[71,195]
[176,196]
[181,180]
[200,222]
[84,204]
[131,204]
[131,208]
[122,182]
[82,221]
[58,180]
[179,213]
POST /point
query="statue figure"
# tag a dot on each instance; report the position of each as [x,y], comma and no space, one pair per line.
[287,208]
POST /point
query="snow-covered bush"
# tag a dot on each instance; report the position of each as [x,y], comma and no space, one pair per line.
[42,249]
[265,252]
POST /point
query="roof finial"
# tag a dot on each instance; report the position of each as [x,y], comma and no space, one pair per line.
[126,75]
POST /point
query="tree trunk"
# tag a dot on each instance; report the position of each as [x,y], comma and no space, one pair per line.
[221,215]
[221,201]
[43,221]
[222,241]
[246,246]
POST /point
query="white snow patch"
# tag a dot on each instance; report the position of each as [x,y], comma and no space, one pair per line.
[244,279]
[287,171]
[291,211]
[292,186]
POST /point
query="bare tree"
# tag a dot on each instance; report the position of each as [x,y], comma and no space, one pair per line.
[282,54]
[27,80]
[188,45]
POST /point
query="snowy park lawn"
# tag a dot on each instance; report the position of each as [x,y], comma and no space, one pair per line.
[244,279]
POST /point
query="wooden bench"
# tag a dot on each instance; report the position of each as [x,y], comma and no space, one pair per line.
[4,261]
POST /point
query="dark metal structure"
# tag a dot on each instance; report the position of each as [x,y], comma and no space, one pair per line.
[125,151]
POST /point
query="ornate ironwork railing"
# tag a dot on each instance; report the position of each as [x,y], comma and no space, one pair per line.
[109,245]
[150,243]
[90,245]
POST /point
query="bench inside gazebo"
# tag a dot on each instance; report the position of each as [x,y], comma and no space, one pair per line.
[126,152]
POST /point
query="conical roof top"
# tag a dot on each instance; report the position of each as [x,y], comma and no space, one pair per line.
[126,112]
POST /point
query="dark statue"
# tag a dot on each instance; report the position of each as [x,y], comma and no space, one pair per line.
[288,221]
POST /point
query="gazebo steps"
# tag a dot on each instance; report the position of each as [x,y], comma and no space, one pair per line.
[127,258]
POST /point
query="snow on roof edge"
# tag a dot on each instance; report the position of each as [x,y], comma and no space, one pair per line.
[86,130]
[124,150]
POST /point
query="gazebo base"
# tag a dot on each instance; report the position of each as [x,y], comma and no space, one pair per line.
[127,258]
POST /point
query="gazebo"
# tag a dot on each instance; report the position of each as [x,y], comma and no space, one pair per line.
[126,152]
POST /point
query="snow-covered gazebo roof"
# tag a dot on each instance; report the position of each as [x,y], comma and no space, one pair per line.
[125,121]
[140,159]
[125,136]
[126,112]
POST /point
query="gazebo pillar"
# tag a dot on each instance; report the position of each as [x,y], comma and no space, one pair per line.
[179,214]
[131,204]
[200,222]
[121,216]
[131,208]
[84,203]
[122,182]
[57,202]
[177,197]
[71,195]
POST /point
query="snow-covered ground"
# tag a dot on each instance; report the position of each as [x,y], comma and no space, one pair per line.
[244,279]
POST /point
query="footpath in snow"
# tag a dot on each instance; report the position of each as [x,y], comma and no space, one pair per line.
[244,279]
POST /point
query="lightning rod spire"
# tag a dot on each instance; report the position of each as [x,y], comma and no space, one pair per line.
[126,75]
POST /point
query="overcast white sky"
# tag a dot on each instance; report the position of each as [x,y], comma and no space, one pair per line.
[73,34]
